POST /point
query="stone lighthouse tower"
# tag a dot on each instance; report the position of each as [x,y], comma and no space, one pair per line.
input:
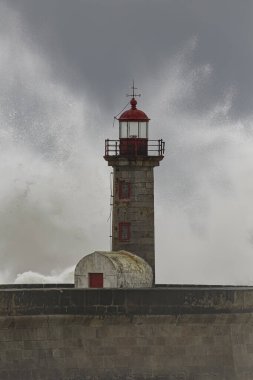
[133,158]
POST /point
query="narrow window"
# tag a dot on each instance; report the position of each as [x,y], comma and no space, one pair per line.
[96,280]
[124,231]
[124,190]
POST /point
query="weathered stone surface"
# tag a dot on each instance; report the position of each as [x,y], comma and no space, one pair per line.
[138,210]
[173,332]
[190,347]
[150,301]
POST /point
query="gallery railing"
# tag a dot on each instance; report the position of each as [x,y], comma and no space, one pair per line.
[134,147]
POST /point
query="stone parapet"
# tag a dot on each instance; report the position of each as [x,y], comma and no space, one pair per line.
[165,333]
[148,301]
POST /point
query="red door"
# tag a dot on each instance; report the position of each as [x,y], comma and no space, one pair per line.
[96,280]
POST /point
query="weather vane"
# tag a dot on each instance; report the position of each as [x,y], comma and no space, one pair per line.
[133,95]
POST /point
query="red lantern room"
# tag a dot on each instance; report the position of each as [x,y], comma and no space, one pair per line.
[133,123]
[133,131]
[133,135]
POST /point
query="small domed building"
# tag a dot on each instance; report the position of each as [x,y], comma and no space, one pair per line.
[120,269]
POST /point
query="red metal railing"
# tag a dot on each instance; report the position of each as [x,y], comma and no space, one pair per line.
[134,147]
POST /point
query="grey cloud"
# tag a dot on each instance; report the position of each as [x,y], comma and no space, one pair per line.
[97,47]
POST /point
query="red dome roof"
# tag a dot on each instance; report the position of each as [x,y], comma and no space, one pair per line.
[133,113]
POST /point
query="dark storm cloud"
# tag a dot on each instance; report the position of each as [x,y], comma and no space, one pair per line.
[97,47]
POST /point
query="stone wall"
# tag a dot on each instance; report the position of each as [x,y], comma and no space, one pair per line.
[147,301]
[173,333]
[183,347]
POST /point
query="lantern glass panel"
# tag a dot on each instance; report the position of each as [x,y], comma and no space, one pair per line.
[143,129]
[123,129]
[133,129]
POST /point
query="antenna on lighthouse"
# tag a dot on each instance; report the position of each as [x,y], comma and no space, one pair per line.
[133,95]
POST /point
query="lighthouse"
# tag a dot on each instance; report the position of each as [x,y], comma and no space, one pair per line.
[133,158]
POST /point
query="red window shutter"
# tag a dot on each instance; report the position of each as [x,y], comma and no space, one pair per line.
[124,231]
[96,280]
[124,190]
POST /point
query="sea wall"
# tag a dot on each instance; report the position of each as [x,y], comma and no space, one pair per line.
[179,333]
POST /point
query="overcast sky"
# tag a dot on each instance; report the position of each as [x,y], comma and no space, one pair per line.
[65,68]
